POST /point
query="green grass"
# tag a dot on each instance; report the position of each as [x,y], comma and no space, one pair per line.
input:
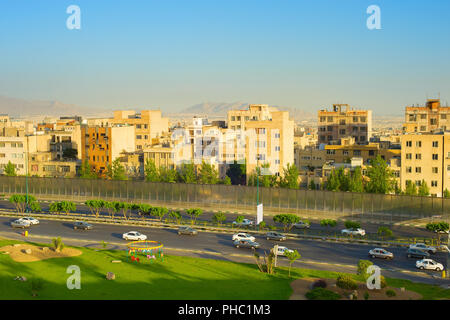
[174,278]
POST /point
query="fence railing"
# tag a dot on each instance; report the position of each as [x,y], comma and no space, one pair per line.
[313,203]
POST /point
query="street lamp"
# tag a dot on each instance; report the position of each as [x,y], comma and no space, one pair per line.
[26,178]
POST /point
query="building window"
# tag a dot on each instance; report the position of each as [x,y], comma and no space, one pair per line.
[435,170]
[418,144]
[443,116]
[357,152]
[435,156]
[363,119]
[330,151]
[433,121]
[330,119]
[139,137]
[355,119]
[233,118]
[435,144]
[138,126]
[434,183]
[418,170]
[277,148]
[322,119]
[423,128]
[345,152]
[408,156]
[423,116]
[409,143]
[408,169]
[342,131]
[418,156]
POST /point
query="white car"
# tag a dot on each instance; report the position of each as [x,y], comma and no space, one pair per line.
[423,247]
[301,225]
[243,236]
[428,264]
[30,220]
[134,235]
[20,224]
[281,251]
[354,232]
[244,223]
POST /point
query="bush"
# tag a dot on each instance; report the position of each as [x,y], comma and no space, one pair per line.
[383,282]
[366,296]
[35,207]
[362,268]
[352,225]
[346,282]
[390,293]
[328,223]
[322,294]
[319,284]
[58,244]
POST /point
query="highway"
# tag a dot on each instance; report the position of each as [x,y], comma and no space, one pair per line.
[341,257]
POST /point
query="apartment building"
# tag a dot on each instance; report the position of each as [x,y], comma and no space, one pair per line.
[426,157]
[309,158]
[269,137]
[148,124]
[13,148]
[42,164]
[102,145]
[343,121]
[427,118]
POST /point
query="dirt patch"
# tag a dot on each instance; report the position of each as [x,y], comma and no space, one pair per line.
[29,253]
[301,286]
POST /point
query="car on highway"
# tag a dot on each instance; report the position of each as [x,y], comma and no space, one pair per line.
[134,235]
[354,232]
[244,223]
[381,253]
[275,236]
[32,221]
[417,253]
[246,244]
[187,230]
[428,264]
[281,251]
[82,225]
[20,224]
[423,247]
[301,225]
[243,236]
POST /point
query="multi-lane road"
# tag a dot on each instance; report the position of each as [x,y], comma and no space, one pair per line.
[341,257]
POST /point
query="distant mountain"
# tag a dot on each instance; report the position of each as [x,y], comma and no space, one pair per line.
[219,110]
[20,108]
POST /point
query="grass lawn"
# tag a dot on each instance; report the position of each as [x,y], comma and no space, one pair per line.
[174,278]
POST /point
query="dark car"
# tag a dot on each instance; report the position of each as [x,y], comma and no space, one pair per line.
[188,231]
[275,236]
[416,253]
[82,225]
[246,244]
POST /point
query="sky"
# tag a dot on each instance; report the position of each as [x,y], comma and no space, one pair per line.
[173,54]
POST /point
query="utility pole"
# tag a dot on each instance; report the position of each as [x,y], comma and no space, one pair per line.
[26,175]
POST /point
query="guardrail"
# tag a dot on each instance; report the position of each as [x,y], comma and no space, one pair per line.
[154,223]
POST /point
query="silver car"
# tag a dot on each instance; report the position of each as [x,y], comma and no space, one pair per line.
[20,224]
[381,253]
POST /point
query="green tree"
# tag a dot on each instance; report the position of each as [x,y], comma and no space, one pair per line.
[151,172]
[113,207]
[423,189]
[356,181]
[411,188]
[175,215]
[290,179]
[236,172]
[446,193]
[187,174]
[328,223]
[362,268]
[226,180]
[95,206]
[384,232]
[58,245]
[168,175]
[86,171]
[381,177]
[10,170]
[219,218]
[125,207]
[208,174]
[352,224]
[312,185]
[159,212]
[292,256]
[194,214]
[439,228]
[116,171]
[20,201]
[287,220]
[144,209]
[333,183]
[35,206]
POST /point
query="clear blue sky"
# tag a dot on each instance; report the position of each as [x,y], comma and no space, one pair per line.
[172,54]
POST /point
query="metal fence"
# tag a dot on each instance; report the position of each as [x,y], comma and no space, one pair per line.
[307,203]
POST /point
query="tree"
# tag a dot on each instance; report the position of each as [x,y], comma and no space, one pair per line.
[236,172]
[144,209]
[356,181]
[10,170]
[219,217]
[70,153]
[194,214]
[446,193]
[86,171]
[287,220]
[411,188]
[439,228]
[423,189]
[381,177]
[35,206]
[125,207]
[58,245]
[239,219]
[20,201]
[333,183]
[176,215]
[62,206]
[265,180]
[208,174]
[352,224]
[113,207]
[362,268]
[168,175]
[292,256]
[187,174]
[151,172]
[312,185]
[384,232]
[159,212]
[290,179]
[226,180]
[95,206]
[116,171]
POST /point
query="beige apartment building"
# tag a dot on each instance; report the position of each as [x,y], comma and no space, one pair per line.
[269,137]
[343,121]
[426,157]
[427,118]
[13,148]
[148,124]
[42,164]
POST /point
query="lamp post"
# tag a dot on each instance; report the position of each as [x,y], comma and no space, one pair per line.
[26,178]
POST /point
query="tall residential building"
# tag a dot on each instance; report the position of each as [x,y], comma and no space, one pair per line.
[269,137]
[149,124]
[102,145]
[427,118]
[426,157]
[13,148]
[343,121]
